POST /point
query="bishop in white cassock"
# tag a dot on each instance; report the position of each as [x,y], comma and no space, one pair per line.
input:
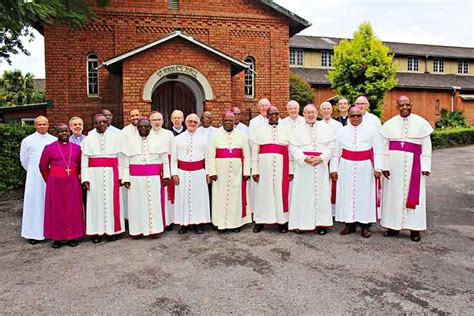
[311,146]
[32,226]
[188,158]
[167,136]
[355,164]
[145,174]
[206,127]
[407,161]
[367,117]
[100,176]
[229,169]
[272,171]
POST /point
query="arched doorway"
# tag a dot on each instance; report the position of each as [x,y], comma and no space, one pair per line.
[173,95]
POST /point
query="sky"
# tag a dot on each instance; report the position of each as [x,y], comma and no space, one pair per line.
[437,22]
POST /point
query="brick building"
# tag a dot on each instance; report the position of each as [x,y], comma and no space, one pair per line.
[434,77]
[192,55]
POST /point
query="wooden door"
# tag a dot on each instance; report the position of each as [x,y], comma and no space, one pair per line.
[170,96]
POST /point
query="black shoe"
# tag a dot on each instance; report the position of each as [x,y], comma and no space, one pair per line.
[322,231]
[283,228]
[32,241]
[221,231]
[390,233]
[183,230]
[112,238]
[237,230]
[169,228]
[257,228]
[56,244]
[73,243]
[198,229]
[297,231]
[415,236]
[96,239]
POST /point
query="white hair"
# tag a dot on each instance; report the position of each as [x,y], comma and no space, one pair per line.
[325,103]
[264,102]
[177,112]
[292,102]
[193,115]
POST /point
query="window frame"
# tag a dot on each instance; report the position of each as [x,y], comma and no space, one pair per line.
[463,65]
[326,56]
[438,65]
[414,62]
[298,57]
[92,58]
[249,77]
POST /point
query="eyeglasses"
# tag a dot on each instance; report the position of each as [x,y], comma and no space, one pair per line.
[194,122]
[274,113]
[355,115]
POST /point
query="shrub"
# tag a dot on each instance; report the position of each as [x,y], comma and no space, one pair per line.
[451,119]
[452,137]
[12,174]
[300,91]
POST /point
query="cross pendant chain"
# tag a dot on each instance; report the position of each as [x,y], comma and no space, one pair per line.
[68,171]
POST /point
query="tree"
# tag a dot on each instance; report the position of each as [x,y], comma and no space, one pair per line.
[19,16]
[363,66]
[17,89]
[300,91]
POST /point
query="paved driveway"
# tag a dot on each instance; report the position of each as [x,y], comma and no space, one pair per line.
[247,273]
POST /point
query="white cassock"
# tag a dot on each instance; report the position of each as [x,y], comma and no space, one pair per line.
[407,152]
[371,119]
[101,167]
[145,164]
[356,151]
[257,121]
[32,146]
[272,162]
[168,137]
[188,163]
[243,128]
[254,123]
[114,129]
[311,195]
[208,132]
[226,161]
[290,123]
[335,125]
[128,131]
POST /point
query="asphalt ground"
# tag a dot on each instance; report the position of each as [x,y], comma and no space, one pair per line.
[247,273]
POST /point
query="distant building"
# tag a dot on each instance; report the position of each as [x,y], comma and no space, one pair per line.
[433,76]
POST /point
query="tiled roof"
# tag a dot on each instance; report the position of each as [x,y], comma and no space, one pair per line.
[405,80]
[327,43]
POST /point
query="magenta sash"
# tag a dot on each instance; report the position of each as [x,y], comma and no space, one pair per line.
[361,156]
[171,186]
[311,153]
[150,171]
[413,198]
[106,162]
[282,150]
[226,153]
[191,165]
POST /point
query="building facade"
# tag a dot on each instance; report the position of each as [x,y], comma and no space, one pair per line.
[162,55]
[434,77]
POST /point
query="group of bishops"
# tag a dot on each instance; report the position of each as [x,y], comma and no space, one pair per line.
[299,173]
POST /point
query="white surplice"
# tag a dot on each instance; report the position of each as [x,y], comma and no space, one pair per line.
[168,137]
[32,226]
[127,132]
[146,216]
[268,204]
[192,197]
[243,128]
[311,193]
[227,190]
[395,214]
[208,132]
[290,123]
[356,193]
[100,201]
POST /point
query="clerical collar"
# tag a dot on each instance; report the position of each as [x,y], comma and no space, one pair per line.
[274,124]
[310,124]
[178,130]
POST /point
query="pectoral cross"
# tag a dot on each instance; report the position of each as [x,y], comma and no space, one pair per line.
[402,144]
[68,171]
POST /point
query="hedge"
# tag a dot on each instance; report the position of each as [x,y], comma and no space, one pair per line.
[443,138]
[12,174]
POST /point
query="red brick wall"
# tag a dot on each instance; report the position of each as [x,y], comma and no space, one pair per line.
[423,101]
[237,27]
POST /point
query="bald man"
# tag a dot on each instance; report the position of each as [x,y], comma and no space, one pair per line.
[261,119]
[293,119]
[177,118]
[32,146]
[206,127]
[367,117]
[110,117]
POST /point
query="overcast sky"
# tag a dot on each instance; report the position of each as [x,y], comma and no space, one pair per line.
[438,22]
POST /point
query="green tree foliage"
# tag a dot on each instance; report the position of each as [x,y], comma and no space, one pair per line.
[363,66]
[451,119]
[17,89]
[300,91]
[12,174]
[19,16]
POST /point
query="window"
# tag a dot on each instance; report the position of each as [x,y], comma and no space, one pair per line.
[413,64]
[173,4]
[92,75]
[326,59]
[437,107]
[27,121]
[463,67]
[296,57]
[438,65]
[250,78]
